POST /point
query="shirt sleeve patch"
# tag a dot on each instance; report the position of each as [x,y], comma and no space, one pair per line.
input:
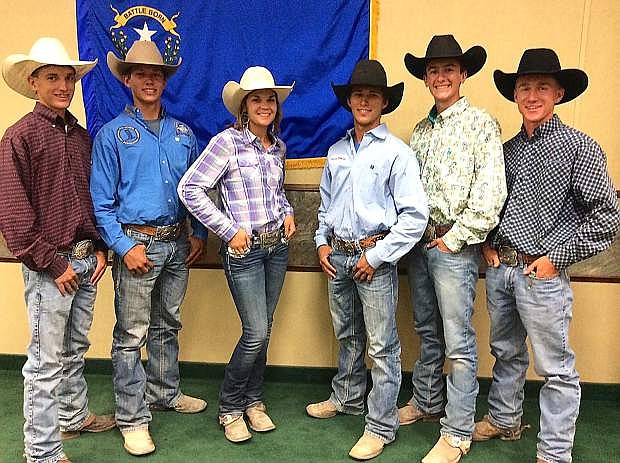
[182,129]
[128,135]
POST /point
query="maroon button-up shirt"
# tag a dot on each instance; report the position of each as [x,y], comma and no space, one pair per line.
[44,195]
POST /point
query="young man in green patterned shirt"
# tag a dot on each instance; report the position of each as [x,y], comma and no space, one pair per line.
[459,150]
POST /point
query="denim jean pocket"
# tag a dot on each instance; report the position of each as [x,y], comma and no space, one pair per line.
[534,276]
[140,238]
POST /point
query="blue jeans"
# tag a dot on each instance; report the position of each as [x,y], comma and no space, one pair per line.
[54,385]
[147,312]
[255,282]
[523,306]
[361,312]
[443,287]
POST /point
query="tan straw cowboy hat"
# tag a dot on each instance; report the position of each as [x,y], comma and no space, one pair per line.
[141,52]
[254,78]
[45,51]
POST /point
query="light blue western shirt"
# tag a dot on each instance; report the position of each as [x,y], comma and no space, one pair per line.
[135,174]
[372,189]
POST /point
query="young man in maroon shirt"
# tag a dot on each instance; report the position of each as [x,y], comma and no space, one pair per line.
[46,217]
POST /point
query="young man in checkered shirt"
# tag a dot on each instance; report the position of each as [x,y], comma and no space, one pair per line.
[561,209]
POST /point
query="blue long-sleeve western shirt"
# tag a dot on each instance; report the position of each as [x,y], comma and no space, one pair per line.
[135,174]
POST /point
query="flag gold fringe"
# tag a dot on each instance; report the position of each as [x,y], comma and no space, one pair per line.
[374,27]
[306,163]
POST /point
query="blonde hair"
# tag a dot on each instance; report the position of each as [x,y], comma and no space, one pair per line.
[242,122]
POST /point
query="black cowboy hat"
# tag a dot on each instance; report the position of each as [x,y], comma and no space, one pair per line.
[542,61]
[370,73]
[446,46]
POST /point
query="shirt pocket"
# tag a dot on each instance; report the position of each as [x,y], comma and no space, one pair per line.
[275,171]
[249,169]
[373,177]
[556,179]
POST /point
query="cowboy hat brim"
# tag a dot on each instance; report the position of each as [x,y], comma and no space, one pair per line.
[18,67]
[573,81]
[394,95]
[119,67]
[472,60]
[233,94]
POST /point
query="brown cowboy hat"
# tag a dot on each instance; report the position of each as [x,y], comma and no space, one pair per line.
[370,73]
[542,61]
[446,46]
[45,51]
[141,52]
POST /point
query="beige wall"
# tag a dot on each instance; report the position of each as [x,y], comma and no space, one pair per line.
[584,34]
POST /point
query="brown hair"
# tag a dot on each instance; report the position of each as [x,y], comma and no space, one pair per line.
[243,120]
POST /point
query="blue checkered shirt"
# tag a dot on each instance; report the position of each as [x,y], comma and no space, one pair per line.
[561,201]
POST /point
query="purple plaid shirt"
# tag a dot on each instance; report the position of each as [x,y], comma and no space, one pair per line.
[250,182]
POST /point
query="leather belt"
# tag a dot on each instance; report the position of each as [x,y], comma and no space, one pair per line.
[160,233]
[80,250]
[511,257]
[352,247]
[268,239]
[434,231]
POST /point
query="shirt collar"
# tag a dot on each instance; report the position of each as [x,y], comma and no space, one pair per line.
[135,113]
[250,139]
[52,116]
[457,108]
[545,129]
[380,132]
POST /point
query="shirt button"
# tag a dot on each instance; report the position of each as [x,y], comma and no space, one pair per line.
[169,200]
[177,138]
[166,181]
[163,162]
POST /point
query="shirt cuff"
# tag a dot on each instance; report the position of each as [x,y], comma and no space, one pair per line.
[230,233]
[320,241]
[452,242]
[557,260]
[372,258]
[58,266]
[123,246]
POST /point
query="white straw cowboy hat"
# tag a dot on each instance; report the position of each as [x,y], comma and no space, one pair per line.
[141,52]
[45,51]
[254,78]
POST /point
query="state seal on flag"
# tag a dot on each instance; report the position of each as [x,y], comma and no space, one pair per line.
[163,27]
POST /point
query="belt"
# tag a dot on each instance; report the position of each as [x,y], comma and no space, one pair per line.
[160,233]
[261,240]
[80,250]
[268,239]
[511,257]
[352,247]
[434,231]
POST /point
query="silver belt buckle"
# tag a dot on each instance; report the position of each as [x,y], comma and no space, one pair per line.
[508,256]
[269,239]
[166,232]
[82,249]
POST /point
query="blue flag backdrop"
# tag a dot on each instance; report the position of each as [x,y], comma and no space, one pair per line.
[310,42]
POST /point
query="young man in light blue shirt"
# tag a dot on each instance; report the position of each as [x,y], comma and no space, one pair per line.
[373,210]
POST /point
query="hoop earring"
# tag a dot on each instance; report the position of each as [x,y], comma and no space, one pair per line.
[245,120]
